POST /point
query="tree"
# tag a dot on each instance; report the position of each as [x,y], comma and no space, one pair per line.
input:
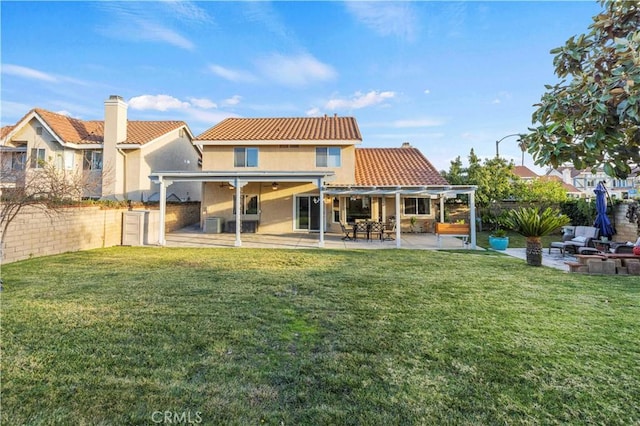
[592,117]
[533,224]
[457,174]
[542,191]
[44,186]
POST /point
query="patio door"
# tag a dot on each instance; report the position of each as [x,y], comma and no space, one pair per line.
[307,213]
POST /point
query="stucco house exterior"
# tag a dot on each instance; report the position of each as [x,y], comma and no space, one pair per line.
[309,175]
[118,152]
[585,181]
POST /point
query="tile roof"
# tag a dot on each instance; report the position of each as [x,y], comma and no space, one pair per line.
[278,129]
[395,166]
[73,130]
[566,186]
[524,172]
[4,131]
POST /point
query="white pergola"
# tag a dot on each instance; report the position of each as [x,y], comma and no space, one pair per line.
[440,191]
[239,179]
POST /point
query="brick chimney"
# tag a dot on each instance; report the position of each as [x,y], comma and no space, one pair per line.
[115,132]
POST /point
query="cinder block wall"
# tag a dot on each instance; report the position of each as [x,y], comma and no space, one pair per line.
[36,232]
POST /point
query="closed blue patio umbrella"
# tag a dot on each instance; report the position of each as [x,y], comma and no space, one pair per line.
[602,221]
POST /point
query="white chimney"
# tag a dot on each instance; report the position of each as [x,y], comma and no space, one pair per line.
[115,120]
[566,175]
[115,132]
[406,145]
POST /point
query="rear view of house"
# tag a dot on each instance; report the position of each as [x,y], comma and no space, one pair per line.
[282,175]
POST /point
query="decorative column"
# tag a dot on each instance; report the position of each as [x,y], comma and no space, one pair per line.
[398,221]
[472,213]
[322,218]
[163,209]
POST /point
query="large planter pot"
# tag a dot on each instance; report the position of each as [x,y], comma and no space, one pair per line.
[498,243]
[534,251]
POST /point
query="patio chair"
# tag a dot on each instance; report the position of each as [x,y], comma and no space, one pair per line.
[361,228]
[389,232]
[376,228]
[346,232]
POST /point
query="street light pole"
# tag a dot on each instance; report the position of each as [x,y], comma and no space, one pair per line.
[500,140]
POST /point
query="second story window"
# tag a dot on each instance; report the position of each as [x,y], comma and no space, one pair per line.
[38,157]
[245,157]
[328,156]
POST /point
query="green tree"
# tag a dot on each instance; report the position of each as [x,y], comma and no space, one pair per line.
[592,117]
[542,191]
[457,174]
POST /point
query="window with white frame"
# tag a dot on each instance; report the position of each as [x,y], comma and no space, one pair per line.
[248,204]
[92,160]
[38,157]
[417,206]
[328,156]
[245,157]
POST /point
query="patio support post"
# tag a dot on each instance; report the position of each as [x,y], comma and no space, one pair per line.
[472,213]
[322,218]
[441,208]
[163,210]
[398,221]
[238,199]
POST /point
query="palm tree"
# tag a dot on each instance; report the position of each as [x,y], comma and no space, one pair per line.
[533,225]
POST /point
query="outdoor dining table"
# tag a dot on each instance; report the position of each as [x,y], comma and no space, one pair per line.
[367,228]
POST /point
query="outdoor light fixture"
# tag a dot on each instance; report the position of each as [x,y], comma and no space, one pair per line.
[274,185]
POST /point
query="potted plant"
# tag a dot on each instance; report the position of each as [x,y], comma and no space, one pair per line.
[412,223]
[533,224]
[498,239]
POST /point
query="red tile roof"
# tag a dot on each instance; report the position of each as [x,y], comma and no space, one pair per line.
[279,129]
[73,130]
[524,172]
[566,186]
[395,166]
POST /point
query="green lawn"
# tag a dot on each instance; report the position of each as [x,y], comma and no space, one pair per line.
[318,337]
[515,240]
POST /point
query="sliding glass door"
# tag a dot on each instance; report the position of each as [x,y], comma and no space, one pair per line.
[307,213]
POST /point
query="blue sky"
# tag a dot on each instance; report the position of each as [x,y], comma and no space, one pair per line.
[444,76]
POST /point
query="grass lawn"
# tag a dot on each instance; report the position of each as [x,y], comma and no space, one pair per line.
[318,337]
[515,240]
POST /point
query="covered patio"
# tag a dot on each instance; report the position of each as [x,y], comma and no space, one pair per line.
[193,236]
[321,180]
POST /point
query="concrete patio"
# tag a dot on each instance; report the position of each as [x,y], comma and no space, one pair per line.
[194,237]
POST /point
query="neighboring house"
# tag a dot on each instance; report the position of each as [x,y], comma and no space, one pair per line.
[119,153]
[585,181]
[525,173]
[309,175]
[528,175]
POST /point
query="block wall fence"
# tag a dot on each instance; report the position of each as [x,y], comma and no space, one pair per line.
[35,232]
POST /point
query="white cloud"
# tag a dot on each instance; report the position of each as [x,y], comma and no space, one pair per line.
[202,103]
[232,75]
[157,103]
[234,100]
[386,18]
[295,71]
[151,31]
[28,73]
[313,112]
[427,91]
[421,122]
[501,96]
[144,22]
[187,11]
[360,100]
